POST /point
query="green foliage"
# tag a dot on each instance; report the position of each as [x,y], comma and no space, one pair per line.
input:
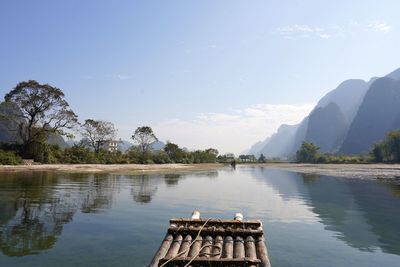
[144,137]
[96,133]
[161,157]
[174,153]
[203,156]
[307,153]
[133,154]
[341,159]
[387,150]
[9,158]
[78,154]
[39,110]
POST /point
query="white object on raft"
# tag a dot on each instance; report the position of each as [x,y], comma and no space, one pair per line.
[196,215]
[238,217]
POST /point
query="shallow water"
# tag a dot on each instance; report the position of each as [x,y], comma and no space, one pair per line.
[50,219]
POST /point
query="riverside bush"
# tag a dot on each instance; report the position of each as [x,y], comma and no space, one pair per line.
[9,158]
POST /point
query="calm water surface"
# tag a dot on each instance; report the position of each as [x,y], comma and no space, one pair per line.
[50,219]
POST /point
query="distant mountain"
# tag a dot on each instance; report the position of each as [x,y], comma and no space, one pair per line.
[299,136]
[378,114]
[56,139]
[124,145]
[7,134]
[347,96]
[327,127]
[281,142]
[349,119]
[394,74]
[256,148]
[157,145]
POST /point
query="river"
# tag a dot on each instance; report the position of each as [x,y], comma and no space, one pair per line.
[65,219]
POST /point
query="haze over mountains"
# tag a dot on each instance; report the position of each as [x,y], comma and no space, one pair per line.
[347,120]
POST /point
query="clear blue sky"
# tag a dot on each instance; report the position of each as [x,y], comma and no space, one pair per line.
[159,62]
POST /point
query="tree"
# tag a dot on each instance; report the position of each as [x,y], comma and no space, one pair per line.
[262,158]
[96,133]
[387,150]
[144,137]
[393,142]
[377,152]
[39,110]
[173,151]
[308,152]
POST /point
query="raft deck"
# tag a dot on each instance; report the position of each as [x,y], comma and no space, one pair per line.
[212,242]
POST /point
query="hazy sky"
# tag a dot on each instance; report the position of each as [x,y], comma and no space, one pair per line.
[221,74]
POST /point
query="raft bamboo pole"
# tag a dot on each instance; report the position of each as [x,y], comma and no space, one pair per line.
[184,249]
[196,246]
[250,249]
[238,251]
[215,262]
[227,250]
[207,243]
[214,231]
[162,251]
[174,248]
[262,252]
[217,249]
[253,224]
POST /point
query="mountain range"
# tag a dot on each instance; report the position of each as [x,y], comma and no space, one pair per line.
[348,120]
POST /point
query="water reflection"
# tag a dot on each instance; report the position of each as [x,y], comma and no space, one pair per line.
[363,213]
[144,187]
[31,216]
[35,207]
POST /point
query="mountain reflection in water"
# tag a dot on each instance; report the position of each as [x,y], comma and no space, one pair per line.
[363,213]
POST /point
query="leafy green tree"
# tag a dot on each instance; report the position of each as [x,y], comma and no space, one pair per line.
[204,156]
[387,150]
[212,151]
[78,154]
[377,152]
[393,143]
[96,132]
[308,153]
[38,111]
[9,158]
[144,137]
[173,151]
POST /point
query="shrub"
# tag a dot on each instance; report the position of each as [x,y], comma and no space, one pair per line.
[9,158]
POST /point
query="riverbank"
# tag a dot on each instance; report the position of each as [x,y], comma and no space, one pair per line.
[93,168]
[363,171]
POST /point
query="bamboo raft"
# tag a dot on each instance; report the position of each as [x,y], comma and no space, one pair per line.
[212,242]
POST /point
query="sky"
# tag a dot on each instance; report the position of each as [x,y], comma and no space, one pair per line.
[209,73]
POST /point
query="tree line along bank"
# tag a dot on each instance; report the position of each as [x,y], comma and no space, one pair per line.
[35,112]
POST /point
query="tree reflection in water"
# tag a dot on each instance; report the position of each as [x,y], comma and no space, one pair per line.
[34,207]
[144,187]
